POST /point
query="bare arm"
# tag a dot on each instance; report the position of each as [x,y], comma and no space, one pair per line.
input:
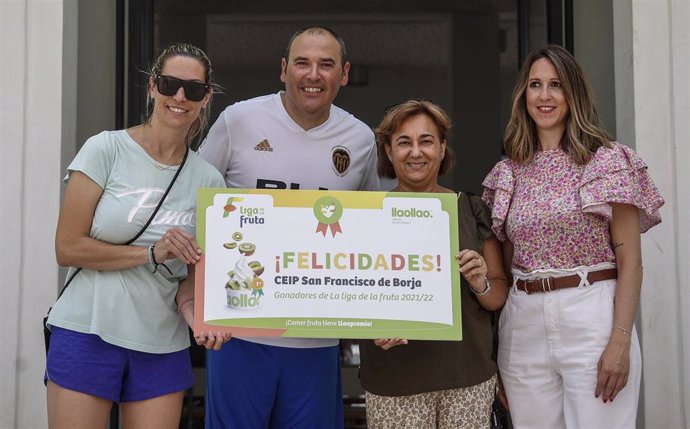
[614,364]
[74,246]
[474,268]
[185,306]
[185,296]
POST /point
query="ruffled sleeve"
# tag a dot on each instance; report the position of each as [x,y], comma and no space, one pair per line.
[498,192]
[619,175]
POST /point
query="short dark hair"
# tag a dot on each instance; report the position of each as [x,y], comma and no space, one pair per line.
[317,29]
[394,118]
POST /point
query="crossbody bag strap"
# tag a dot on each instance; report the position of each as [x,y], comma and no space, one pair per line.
[146,225]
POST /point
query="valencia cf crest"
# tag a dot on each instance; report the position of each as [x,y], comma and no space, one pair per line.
[341,159]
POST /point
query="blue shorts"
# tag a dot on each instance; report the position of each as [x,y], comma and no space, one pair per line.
[251,385]
[87,364]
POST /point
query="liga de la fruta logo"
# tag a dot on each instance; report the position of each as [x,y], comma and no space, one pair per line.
[229,206]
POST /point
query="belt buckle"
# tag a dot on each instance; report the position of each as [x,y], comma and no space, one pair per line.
[548,283]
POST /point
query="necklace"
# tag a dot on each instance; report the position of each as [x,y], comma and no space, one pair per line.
[162,167]
[145,144]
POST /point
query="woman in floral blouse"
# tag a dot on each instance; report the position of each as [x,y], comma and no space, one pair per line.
[569,205]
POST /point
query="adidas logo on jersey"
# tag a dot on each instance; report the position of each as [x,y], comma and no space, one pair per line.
[264,146]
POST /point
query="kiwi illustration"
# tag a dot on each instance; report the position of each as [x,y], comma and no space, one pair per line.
[247,249]
[256,267]
[232,284]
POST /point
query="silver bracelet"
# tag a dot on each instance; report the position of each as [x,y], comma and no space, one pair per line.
[487,288]
[152,259]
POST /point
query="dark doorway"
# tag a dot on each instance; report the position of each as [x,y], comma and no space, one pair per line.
[462,55]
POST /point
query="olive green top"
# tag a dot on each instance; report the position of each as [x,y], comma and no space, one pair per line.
[427,366]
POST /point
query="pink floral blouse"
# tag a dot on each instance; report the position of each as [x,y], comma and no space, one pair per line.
[557,213]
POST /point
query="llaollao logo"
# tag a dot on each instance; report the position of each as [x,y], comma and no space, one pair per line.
[244,287]
[410,213]
[328,211]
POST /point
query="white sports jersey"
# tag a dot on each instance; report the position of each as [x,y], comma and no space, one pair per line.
[256,144]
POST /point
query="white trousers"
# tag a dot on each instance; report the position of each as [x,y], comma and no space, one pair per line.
[549,347]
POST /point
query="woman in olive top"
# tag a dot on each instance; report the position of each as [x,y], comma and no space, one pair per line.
[436,384]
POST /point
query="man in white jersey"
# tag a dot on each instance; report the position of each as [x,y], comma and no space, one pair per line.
[295,139]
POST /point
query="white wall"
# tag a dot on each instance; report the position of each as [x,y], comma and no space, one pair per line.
[661,112]
[31,36]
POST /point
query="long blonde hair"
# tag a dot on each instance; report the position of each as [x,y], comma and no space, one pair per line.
[583,132]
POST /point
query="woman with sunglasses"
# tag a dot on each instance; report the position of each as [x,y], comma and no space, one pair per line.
[118,331]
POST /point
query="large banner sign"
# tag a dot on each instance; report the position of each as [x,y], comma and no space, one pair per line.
[328,264]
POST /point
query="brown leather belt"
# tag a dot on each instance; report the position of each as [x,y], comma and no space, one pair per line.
[554,283]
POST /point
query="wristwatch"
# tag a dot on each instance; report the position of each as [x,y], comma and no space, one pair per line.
[487,288]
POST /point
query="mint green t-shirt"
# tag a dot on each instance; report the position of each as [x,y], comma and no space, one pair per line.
[133,308]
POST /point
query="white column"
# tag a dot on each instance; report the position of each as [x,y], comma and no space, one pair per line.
[30,144]
[661,83]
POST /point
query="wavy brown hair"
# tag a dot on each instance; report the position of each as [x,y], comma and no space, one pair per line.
[394,118]
[583,132]
[186,50]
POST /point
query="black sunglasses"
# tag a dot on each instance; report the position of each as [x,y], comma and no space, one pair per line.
[194,91]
